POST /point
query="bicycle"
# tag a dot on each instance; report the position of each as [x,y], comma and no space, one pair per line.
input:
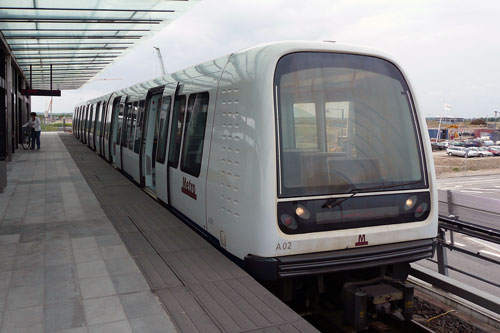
[26,139]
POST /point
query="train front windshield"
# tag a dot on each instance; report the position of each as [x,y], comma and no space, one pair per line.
[345,124]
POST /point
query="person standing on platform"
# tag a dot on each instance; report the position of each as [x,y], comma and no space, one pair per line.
[36,129]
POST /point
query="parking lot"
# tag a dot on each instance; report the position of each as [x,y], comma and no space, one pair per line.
[455,166]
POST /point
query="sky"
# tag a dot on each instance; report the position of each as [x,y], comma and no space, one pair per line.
[449,49]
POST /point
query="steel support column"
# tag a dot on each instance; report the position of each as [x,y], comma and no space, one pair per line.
[441,253]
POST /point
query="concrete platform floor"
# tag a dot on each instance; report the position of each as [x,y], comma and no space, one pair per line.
[63,267]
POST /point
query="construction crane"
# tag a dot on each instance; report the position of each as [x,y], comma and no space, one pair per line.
[160,60]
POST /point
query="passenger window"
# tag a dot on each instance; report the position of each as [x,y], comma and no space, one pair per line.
[138,128]
[117,126]
[304,118]
[164,117]
[91,118]
[176,132]
[124,111]
[194,133]
[102,122]
[336,114]
[98,120]
[132,123]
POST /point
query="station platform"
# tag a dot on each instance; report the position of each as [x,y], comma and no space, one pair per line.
[83,249]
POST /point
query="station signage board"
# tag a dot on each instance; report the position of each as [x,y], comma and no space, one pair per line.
[40,92]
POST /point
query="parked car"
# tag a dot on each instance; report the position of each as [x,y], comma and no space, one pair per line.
[481,151]
[473,152]
[488,143]
[438,145]
[495,150]
[472,144]
[456,151]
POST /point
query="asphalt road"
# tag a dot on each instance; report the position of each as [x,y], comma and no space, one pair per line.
[482,186]
[484,269]
[483,193]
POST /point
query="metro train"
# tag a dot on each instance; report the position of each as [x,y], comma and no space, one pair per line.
[297,158]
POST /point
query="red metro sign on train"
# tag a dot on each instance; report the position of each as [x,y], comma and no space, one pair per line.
[361,240]
[188,188]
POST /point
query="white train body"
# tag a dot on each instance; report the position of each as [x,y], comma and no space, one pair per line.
[280,141]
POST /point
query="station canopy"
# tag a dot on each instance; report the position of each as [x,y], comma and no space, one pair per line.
[79,38]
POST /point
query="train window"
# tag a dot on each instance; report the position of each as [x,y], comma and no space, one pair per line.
[86,124]
[304,134]
[138,128]
[176,132]
[117,121]
[131,124]
[102,120]
[84,120]
[194,133]
[95,111]
[73,123]
[345,124]
[79,124]
[164,117]
[126,116]
[336,119]
[91,117]
[98,120]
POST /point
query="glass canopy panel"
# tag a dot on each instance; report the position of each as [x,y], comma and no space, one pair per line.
[79,38]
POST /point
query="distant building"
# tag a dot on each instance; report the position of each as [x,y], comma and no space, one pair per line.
[480,132]
[446,120]
[433,133]
[495,136]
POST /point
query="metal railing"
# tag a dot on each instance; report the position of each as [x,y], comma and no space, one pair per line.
[451,225]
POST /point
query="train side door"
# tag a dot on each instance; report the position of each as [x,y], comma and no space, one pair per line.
[85,124]
[90,125]
[150,141]
[108,128]
[161,164]
[97,126]
[188,157]
[102,123]
[116,132]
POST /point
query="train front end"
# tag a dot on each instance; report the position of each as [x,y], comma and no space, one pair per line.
[355,180]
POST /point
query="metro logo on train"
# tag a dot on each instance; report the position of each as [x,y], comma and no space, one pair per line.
[361,240]
[188,188]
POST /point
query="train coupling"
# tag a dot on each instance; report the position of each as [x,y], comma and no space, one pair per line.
[366,300]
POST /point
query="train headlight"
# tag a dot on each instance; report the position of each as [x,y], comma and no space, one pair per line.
[302,212]
[289,221]
[410,202]
[421,209]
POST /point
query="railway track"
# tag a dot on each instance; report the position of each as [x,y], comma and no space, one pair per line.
[325,314]
[381,325]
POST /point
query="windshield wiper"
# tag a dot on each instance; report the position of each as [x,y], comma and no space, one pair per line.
[334,202]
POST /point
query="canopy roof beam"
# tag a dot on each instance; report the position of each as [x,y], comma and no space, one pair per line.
[35,19]
[91,69]
[68,48]
[35,29]
[71,37]
[94,9]
[95,56]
